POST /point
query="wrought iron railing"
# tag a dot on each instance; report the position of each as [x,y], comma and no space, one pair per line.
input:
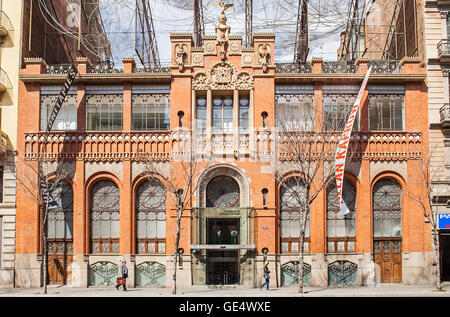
[339,67]
[152,69]
[291,68]
[384,66]
[105,69]
[57,69]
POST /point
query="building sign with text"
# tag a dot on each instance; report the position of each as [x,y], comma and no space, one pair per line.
[444,221]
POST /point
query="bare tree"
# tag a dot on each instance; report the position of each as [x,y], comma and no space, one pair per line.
[31,180]
[180,183]
[307,143]
[427,198]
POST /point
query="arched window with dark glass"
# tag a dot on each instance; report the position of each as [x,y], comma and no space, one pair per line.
[341,229]
[222,192]
[387,229]
[292,196]
[151,217]
[104,206]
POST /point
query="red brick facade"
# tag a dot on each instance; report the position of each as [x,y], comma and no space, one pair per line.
[383,154]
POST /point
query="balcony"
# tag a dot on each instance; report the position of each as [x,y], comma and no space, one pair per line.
[5,25]
[444,51]
[165,145]
[445,115]
[374,145]
[99,146]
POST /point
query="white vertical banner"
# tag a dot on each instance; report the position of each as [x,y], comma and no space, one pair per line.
[342,148]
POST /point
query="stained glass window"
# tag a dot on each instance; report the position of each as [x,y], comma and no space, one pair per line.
[60,217]
[104,211]
[292,202]
[151,217]
[341,229]
[387,209]
[222,192]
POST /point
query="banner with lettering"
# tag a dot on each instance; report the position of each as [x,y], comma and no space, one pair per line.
[341,151]
[71,74]
[62,96]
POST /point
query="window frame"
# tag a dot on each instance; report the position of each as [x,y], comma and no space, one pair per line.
[160,120]
[95,123]
[69,107]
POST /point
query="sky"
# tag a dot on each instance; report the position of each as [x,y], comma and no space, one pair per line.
[327,19]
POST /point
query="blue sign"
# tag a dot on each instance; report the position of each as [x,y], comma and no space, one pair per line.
[444,221]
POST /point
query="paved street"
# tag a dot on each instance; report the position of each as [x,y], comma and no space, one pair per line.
[383,290]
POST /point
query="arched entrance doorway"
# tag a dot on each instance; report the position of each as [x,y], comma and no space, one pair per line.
[222,239]
[222,267]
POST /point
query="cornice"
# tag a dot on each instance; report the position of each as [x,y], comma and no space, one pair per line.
[97,78]
[349,77]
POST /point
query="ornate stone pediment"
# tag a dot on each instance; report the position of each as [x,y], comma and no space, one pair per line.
[222,76]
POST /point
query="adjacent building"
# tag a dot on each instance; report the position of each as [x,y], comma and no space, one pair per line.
[437,35]
[10,35]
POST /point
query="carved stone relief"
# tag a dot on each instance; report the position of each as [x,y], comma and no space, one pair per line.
[247,60]
[264,58]
[222,76]
[210,48]
[180,55]
[197,59]
[200,81]
[235,47]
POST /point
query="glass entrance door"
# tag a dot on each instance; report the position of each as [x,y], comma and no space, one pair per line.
[222,267]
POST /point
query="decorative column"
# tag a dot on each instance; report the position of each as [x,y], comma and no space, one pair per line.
[208,120]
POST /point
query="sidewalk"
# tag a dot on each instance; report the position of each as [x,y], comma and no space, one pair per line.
[382,290]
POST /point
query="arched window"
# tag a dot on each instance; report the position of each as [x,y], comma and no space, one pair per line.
[151,217]
[292,202]
[387,210]
[60,219]
[387,229]
[222,192]
[104,206]
[60,231]
[341,229]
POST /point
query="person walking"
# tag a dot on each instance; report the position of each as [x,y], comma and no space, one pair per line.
[266,276]
[124,275]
